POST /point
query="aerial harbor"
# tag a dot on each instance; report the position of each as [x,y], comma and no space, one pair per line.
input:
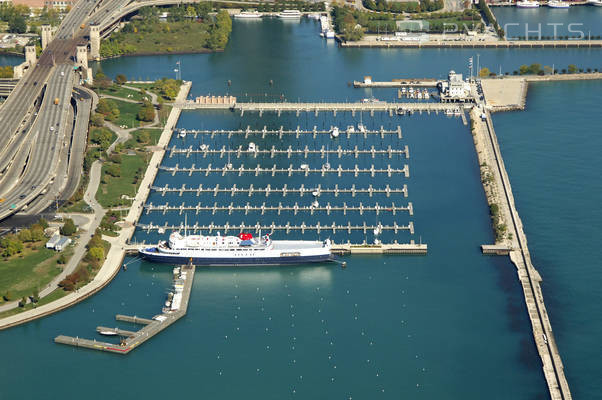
[291,199]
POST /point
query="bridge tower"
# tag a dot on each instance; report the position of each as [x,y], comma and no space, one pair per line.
[82,61]
[30,55]
[95,42]
[46,35]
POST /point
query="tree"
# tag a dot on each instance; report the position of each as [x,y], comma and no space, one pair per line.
[62,259]
[23,301]
[43,223]
[68,227]
[97,119]
[25,235]
[10,245]
[146,112]
[572,68]
[120,79]
[523,70]
[484,72]
[114,170]
[17,24]
[96,254]
[143,137]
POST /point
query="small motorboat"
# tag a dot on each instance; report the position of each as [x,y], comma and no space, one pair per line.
[315,204]
[252,147]
[204,147]
[304,166]
[315,193]
[361,128]
[350,129]
[334,132]
[108,333]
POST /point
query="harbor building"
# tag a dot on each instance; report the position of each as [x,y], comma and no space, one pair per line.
[455,89]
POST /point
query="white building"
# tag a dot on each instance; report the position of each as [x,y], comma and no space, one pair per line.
[50,244]
[455,88]
[63,242]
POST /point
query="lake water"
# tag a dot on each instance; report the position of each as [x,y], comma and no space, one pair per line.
[449,325]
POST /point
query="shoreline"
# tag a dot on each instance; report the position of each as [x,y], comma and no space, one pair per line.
[116,254]
[161,53]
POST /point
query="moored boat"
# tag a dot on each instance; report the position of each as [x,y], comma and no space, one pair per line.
[241,250]
[558,4]
[527,4]
[597,3]
[290,14]
[248,15]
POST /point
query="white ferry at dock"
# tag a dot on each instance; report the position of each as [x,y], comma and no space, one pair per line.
[527,4]
[241,250]
[290,14]
[248,15]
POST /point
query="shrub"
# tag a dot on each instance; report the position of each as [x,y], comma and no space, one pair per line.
[68,227]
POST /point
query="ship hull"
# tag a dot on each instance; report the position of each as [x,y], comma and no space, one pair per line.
[154,256]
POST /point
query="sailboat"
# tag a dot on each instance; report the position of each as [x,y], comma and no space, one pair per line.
[327,165]
[360,126]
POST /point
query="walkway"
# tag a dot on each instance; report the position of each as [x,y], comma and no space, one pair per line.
[114,259]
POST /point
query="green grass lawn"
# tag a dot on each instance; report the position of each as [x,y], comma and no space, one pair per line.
[122,92]
[78,207]
[54,295]
[33,268]
[154,134]
[128,113]
[109,193]
[145,86]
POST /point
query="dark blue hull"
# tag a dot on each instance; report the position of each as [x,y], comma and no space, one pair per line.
[235,261]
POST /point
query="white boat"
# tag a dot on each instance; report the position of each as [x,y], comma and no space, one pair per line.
[361,128]
[315,193]
[203,147]
[558,4]
[330,34]
[161,230]
[334,132]
[315,204]
[527,4]
[351,129]
[248,15]
[418,95]
[108,333]
[183,133]
[290,14]
[314,16]
[252,147]
[241,250]
[304,167]
[597,3]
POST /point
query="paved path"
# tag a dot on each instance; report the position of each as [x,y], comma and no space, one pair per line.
[115,256]
[80,248]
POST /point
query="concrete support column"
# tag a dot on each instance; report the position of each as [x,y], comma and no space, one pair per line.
[82,62]
[95,42]
[46,35]
[30,55]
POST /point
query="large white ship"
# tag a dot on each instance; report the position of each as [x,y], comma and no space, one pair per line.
[597,3]
[527,4]
[248,15]
[241,250]
[290,14]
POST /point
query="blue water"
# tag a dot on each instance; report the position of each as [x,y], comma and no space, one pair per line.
[578,21]
[449,325]
[9,59]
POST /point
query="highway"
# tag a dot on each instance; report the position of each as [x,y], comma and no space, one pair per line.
[47,136]
[31,142]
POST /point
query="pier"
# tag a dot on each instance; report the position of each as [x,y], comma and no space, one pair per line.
[474,44]
[281,132]
[273,227]
[278,107]
[296,208]
[372,171]
[151,327]
[289,152]
[284,190]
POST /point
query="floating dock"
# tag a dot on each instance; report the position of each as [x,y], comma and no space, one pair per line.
[151,327]
[281,132]
[284,190]
[274,227]
[289,152]
[339,170]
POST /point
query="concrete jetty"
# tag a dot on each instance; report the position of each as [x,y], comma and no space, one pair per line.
[474,44]
[151,327]
[489,154]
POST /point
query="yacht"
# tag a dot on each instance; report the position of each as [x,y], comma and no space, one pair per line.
[334,132]
[597,3]
[527,4]
[558,4]
[248,15]
[290,14]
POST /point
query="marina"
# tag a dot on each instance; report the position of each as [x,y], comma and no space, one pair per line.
[297,324]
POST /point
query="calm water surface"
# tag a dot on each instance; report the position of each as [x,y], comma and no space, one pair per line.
[448,325]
